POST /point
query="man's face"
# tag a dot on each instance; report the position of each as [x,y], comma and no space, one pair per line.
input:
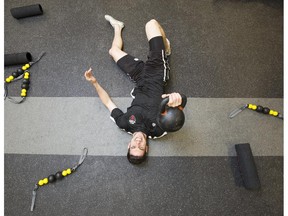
[138,144]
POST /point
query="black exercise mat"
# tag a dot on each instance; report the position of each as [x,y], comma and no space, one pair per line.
[106,185]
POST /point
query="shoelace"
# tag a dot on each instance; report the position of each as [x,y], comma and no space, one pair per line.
[58,176]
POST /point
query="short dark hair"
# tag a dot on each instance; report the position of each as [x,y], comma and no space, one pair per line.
[136,159]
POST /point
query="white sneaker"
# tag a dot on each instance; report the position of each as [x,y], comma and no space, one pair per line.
[113,21]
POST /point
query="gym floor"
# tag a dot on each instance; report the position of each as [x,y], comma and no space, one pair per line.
[225,53]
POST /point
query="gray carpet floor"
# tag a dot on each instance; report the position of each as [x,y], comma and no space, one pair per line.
[220,48]
[106,185]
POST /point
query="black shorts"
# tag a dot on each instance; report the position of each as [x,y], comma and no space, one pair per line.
[155,68]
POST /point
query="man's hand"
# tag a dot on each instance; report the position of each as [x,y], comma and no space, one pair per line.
[103,95]
[89,76]
[175,99]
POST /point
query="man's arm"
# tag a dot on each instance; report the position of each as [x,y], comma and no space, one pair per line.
[103,95]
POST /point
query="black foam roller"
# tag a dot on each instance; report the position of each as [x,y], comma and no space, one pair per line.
[17,58]
[26,11]
[247,166]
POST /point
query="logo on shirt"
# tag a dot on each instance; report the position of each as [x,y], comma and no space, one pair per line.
[132,119]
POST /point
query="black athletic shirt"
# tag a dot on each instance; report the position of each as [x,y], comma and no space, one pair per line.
[142,114]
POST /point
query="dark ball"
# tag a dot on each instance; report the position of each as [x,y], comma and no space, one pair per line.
[25,86]
[259,109]
[58,175]
[20,71]
[26,81]
[266,110]
[15,74]
[52,178]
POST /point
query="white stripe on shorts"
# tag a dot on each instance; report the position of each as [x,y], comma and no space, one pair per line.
[166,67]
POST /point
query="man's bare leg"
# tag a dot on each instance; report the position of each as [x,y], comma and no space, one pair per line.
[154,29]
[117,44]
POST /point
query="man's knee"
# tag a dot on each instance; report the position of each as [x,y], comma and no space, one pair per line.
[153,29]
[116,53]
[152,23]
[113,51]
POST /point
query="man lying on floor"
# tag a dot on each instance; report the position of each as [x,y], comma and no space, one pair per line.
[150,78]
